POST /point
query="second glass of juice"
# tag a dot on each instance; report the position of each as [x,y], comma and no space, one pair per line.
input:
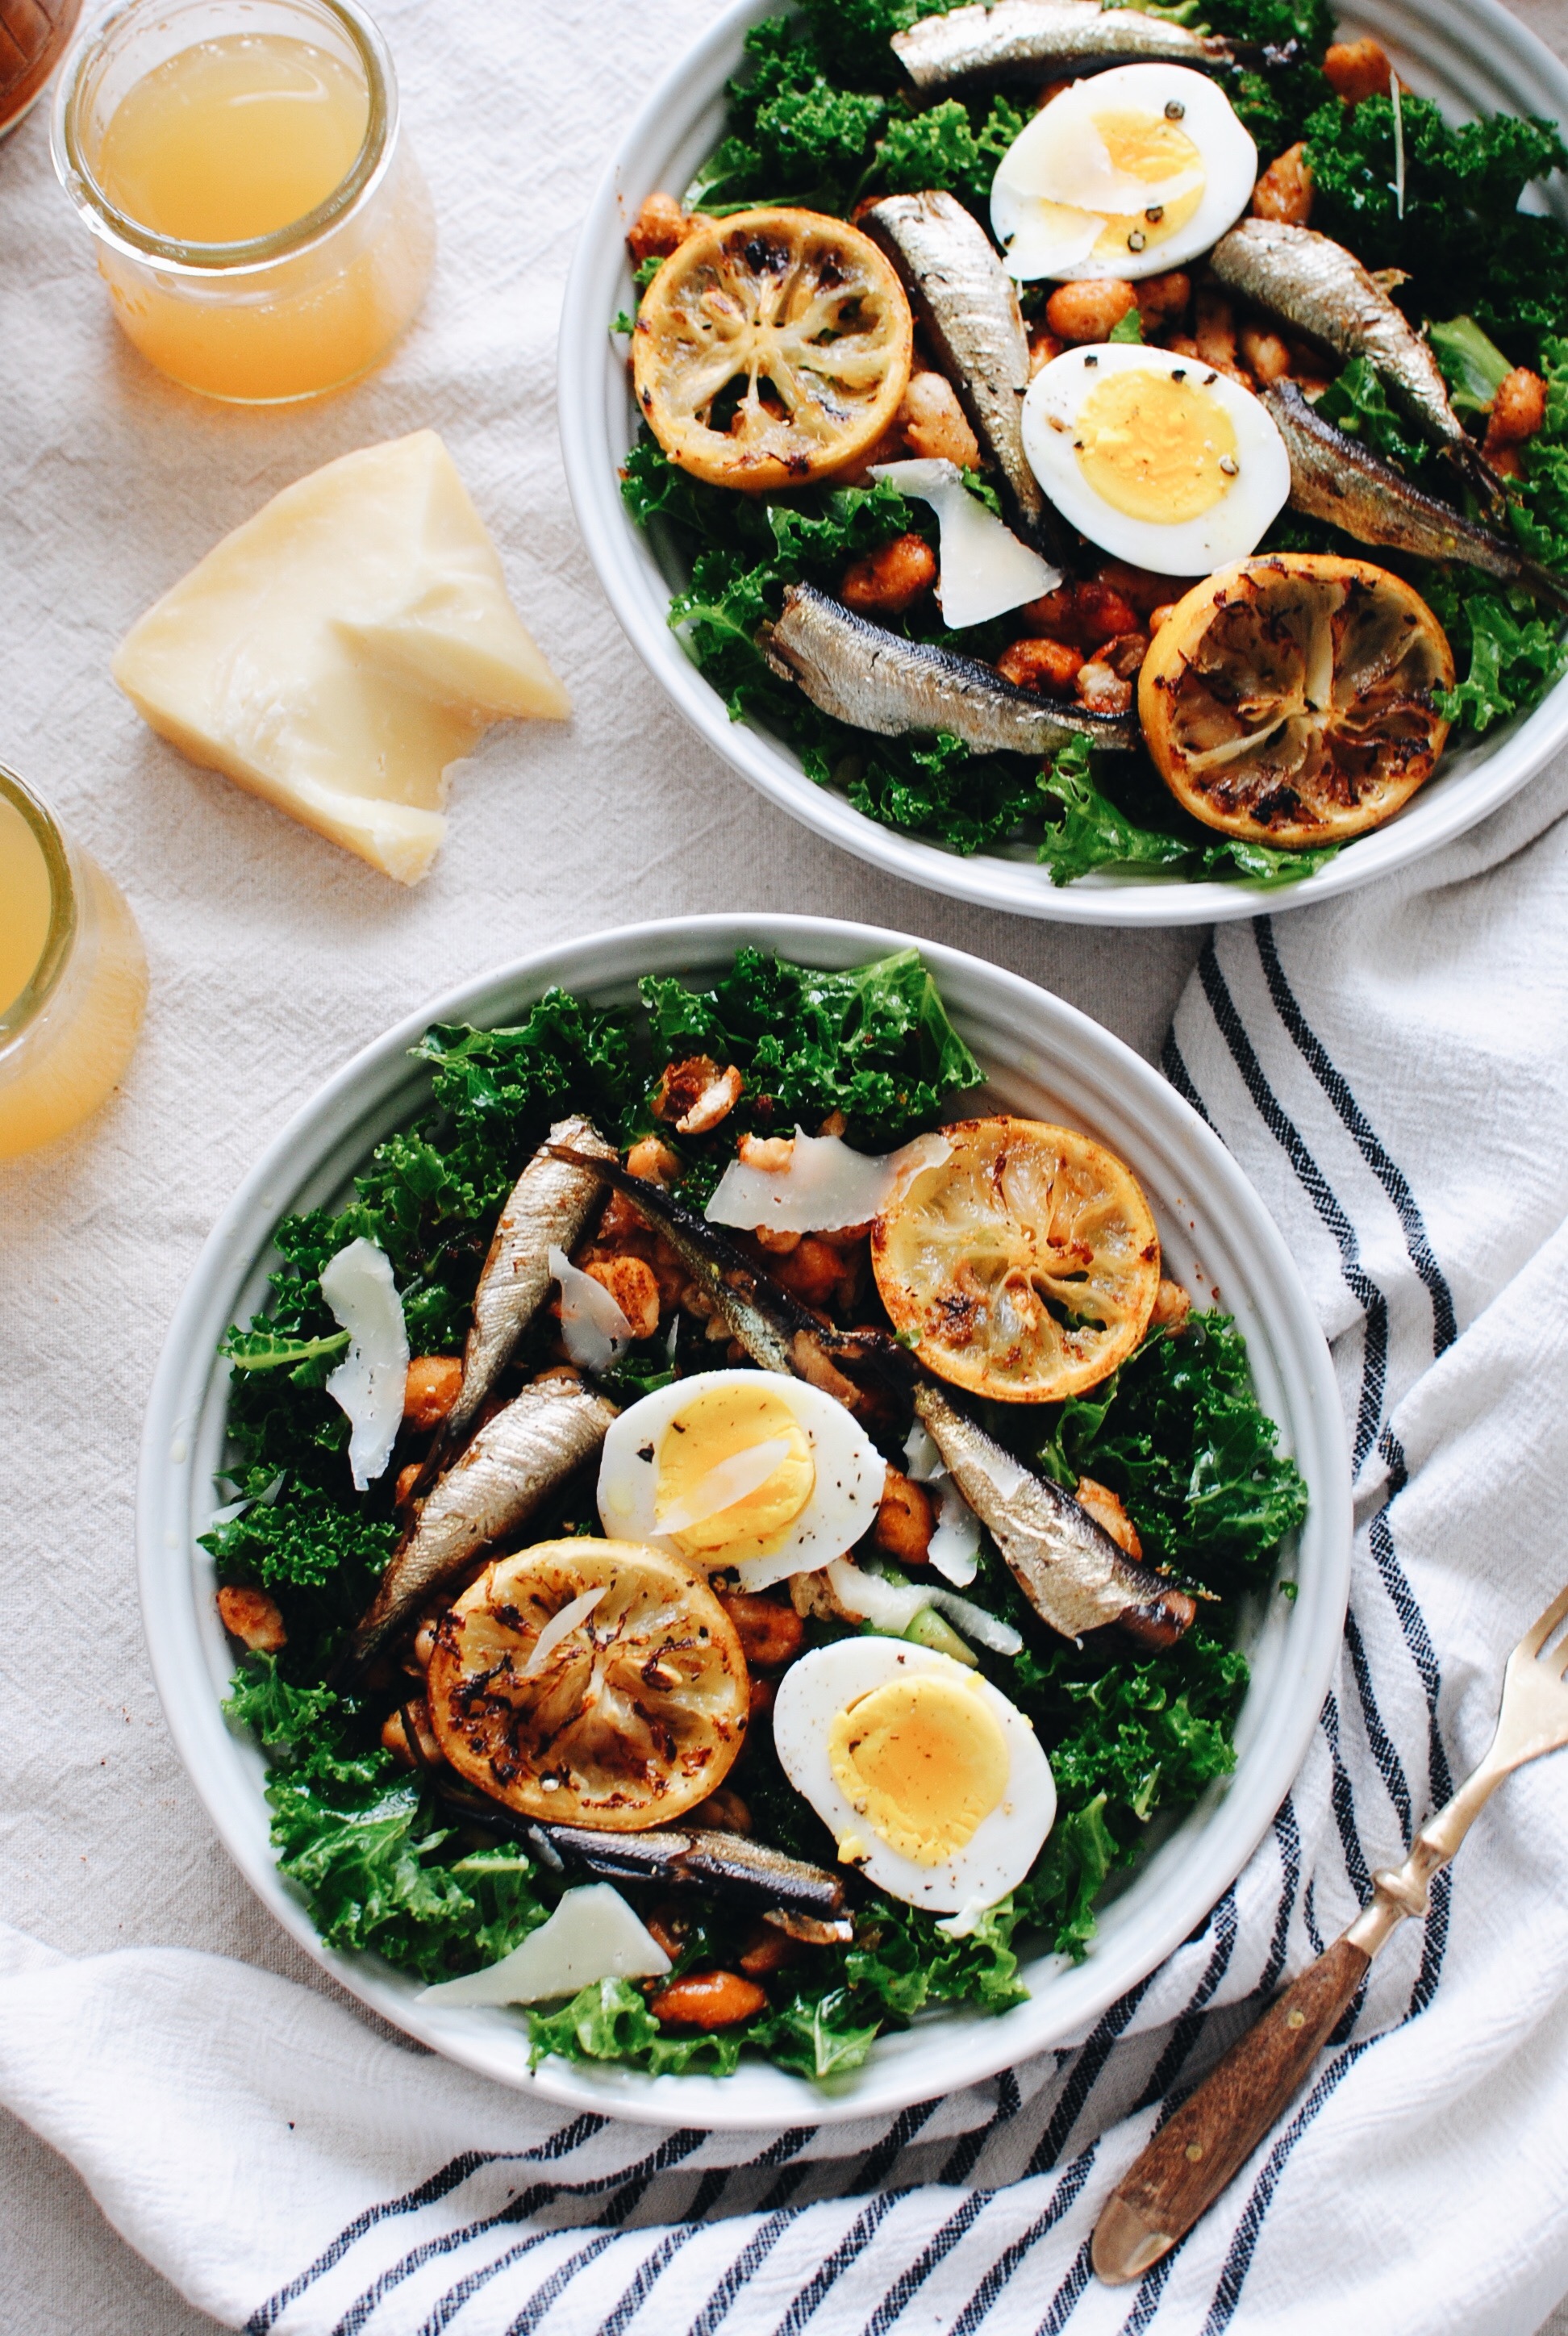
[265,231]
[72,976]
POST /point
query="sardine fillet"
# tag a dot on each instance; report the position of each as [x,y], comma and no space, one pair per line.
[517,1458]
[1006,36]
[548,1205]
[1072,1572]
[1334,477]
[879,681]
[1316,284]
[968,305]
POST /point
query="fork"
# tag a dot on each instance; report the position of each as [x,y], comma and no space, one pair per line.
[1210,2137]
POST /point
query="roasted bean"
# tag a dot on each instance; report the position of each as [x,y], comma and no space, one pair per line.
[1051,666]
[770,1632]
[886,583]
[431,1389]
[904,1523]
[1357,69]
[1077,313]
[660,228]
[1284,192]
[252,1616]
[709,2000]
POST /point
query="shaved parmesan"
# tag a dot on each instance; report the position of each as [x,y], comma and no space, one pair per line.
[825,1187]
[892,1607]
[369,1383]
[561,1626]
[955,1545]
[723,1486]
[985,570]
[592,1935]
[595,1330]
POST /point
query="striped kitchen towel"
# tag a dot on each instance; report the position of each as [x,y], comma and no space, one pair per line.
[1392,1072]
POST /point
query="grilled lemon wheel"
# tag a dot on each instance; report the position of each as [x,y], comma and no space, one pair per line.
[1024,1266]
[1288,698]
[637,1710]
[771,349]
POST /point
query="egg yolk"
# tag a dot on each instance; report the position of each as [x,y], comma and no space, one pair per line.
[1155,447]
[1148,146]
[923,1760]
[735,1470]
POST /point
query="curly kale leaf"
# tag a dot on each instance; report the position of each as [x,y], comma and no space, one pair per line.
[304,1539]
[270,1349]
[1462,236]
[949,145]
[1511,656]
[1357,402]
[1094,831]
[360,1840]
[1183,1442]
[874,1043]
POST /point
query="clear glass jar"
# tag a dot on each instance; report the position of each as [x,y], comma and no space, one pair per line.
[281,316]
[66,1038]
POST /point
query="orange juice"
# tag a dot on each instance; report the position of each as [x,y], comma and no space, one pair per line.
[68,1025]
[264,232]
[233,138]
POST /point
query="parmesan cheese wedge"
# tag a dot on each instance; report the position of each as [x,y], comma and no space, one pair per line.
[341,650]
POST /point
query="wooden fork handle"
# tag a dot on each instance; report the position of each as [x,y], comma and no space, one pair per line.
[1211,2136]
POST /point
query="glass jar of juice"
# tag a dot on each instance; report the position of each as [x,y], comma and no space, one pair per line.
[264,231]
[72,976]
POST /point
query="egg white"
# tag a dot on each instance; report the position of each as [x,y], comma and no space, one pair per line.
[1045,164]
[1003,1845]
[842,1507]
[1228,531]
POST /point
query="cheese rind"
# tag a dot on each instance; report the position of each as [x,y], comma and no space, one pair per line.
[340,651]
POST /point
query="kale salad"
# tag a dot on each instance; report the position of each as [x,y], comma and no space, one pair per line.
[1334,350]
[721,1588]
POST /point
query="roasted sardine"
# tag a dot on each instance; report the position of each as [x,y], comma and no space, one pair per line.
[1316,284]
[879,681]
[968,304]
[776,1330]
[1069,1569]
[1335,477]
[532,1446]
[549,1205]
[1043,39]
[803,1900]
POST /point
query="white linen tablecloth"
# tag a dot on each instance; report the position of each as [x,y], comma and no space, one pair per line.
[273,956]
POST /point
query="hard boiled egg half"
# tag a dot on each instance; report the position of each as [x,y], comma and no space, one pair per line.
[930,1780]
[1127,173]
[1157,458]
[742,1470]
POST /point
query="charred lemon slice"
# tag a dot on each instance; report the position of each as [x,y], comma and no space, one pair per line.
[1290,698]
[771,349]
[590,1682]
[1025,1265]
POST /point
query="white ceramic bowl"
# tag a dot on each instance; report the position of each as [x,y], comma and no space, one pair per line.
[1041,1056]
[1470,55]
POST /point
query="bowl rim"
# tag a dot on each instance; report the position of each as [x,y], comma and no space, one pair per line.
[589,383]
[189,1657]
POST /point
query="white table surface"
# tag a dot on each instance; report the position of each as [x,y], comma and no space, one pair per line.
[273,955]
